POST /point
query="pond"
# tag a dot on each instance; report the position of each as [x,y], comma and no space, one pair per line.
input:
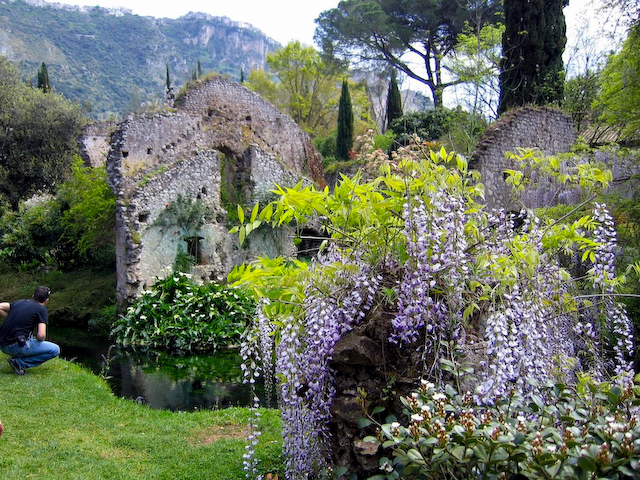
[159,380]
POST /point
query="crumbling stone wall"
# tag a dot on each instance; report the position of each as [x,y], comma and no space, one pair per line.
[222,138]
[545,128]
[94,143]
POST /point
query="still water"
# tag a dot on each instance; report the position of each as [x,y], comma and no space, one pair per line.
[159,380]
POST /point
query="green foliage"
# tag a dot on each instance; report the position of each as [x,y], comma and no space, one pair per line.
[619,96]
[456,127]
[76,296]
[532,71]
[326,145]
[179,316]
[476,62]
[301,84]
[73,228]
[588,431]
[344,140]
[580,93]
[38,137]
[186,214]
[89,209]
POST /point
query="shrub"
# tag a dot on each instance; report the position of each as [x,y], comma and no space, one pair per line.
[179,316]
[588,431]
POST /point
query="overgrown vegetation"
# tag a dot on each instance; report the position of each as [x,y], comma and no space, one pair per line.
[587,430]
[178,316]
[416,241]
[72,229]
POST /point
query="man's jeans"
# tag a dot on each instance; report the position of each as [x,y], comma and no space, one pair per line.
[33,353]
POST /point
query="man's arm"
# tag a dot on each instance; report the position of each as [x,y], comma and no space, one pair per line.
[41,334]
[4,308]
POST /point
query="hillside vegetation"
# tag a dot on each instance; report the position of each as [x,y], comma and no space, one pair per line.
[111,61]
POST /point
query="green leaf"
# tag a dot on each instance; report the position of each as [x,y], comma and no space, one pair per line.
[364,422]
[587,463]
[254,212]
[240,215]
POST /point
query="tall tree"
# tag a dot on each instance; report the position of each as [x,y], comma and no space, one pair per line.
[394,100]
[532,71]
[344,139]
[387,30]
[168,89]
[619,97]
[43,79]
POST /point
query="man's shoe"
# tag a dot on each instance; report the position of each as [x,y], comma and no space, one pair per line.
[16,368]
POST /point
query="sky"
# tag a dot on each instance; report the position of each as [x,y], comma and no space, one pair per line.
[282,20]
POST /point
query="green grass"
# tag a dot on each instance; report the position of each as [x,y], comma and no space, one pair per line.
[62,422]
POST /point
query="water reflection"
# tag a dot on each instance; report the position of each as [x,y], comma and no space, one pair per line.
[157,379]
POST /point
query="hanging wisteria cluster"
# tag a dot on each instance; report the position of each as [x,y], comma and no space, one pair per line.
[431,294]
[617,322]
[456,262]
[303,355]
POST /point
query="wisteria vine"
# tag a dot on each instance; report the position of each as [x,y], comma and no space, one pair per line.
[456,262]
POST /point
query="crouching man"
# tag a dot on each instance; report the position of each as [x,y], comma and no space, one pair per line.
[23,318]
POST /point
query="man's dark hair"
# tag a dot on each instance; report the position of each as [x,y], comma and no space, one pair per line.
[41,294]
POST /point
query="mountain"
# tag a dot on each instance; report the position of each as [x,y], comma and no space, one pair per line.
[110,60]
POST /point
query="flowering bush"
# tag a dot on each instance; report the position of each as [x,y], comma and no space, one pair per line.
[178,316]
[416,241]
[584,432]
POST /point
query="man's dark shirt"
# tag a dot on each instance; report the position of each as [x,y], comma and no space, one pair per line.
[24,316]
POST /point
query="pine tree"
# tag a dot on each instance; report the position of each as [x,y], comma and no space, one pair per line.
[43,79]
[394,100]
[532,46]
[344,140]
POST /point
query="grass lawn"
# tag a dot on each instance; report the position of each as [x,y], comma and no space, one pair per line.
[62,422]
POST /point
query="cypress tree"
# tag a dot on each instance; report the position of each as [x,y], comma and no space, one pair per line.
[394,100]
[531,71]
[199,69]
[344,140]
[168,89]
[43,79]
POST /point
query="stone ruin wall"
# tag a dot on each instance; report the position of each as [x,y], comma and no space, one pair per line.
[217,101]
[218,137]
[547,129]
